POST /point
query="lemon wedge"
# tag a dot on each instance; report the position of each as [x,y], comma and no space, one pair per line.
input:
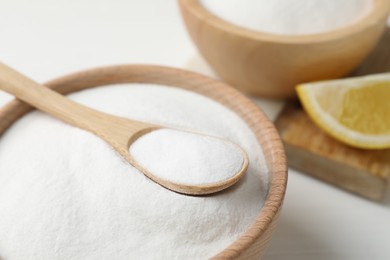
[355,111]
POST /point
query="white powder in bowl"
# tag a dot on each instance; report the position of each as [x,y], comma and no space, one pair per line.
[65,194]
[187,158]
[290,17]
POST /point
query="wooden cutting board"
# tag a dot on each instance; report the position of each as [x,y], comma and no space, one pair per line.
[310,150]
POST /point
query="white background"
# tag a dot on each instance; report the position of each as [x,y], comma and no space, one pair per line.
[45,39]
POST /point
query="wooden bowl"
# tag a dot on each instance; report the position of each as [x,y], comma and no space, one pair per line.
[253,242]
[270,65]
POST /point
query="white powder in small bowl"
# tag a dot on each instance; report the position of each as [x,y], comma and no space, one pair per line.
[290,17]
[65,194]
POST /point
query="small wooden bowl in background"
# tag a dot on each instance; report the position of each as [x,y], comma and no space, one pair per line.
[271,65]
[253,242]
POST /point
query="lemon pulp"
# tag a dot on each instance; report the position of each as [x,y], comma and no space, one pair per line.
[367,110]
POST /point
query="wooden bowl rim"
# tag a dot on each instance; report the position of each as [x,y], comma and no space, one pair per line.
[256,120]
[380,11]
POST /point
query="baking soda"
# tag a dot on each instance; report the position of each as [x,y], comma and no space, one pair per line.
[66,194]
[290,17]
[187,158]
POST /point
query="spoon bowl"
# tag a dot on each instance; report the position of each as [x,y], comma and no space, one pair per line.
[118,132]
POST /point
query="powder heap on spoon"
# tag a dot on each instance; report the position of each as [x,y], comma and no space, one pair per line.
[187,158]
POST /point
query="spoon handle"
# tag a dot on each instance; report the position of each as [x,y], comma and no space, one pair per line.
[55,104]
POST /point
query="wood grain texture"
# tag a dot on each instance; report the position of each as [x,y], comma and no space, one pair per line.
[271,65]
[253,242]
[310,150]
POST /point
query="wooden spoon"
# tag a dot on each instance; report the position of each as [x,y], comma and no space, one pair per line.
[118,132]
